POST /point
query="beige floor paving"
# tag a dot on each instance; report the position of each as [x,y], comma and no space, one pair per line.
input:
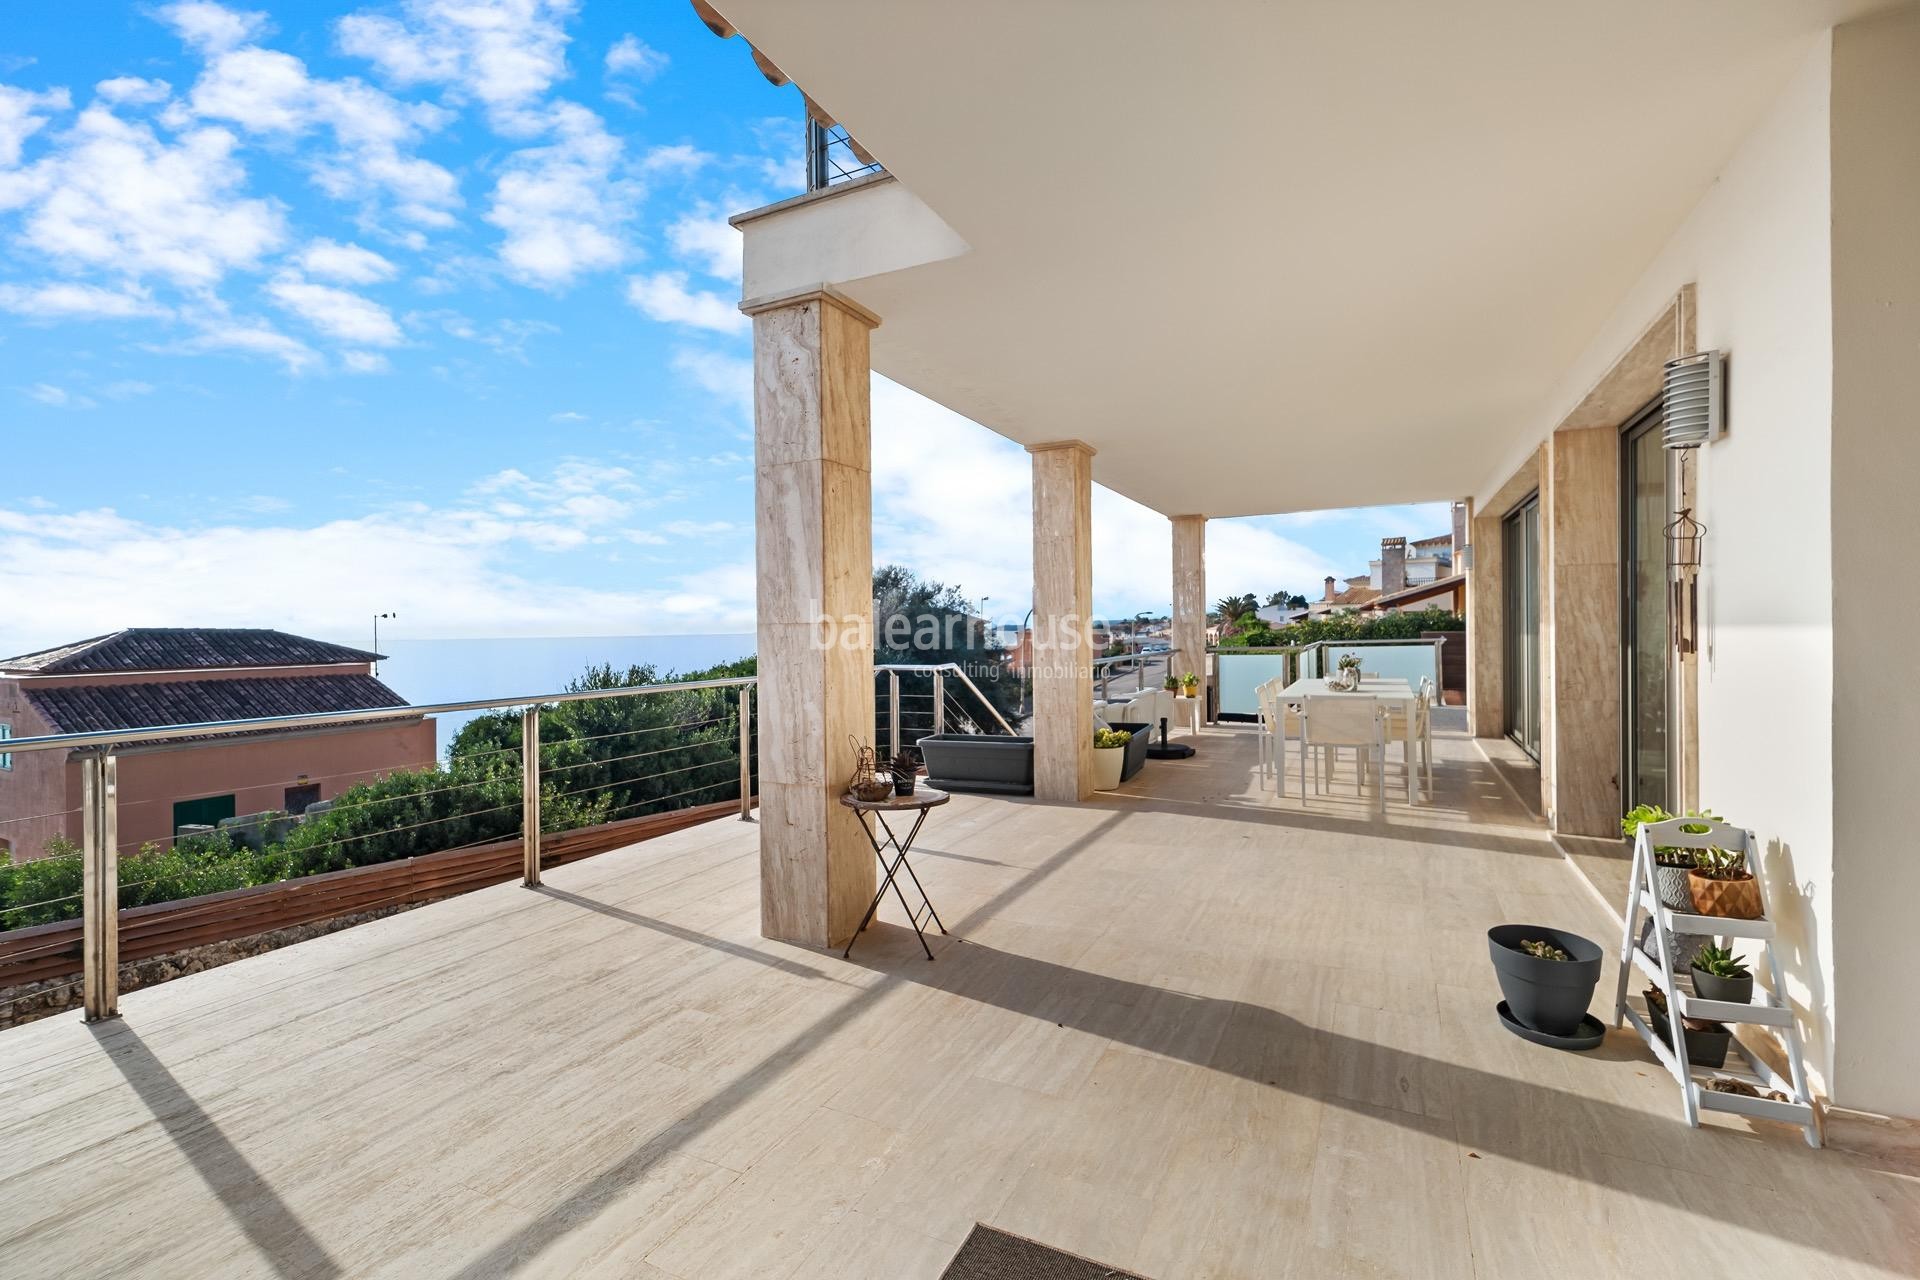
[1188,1029]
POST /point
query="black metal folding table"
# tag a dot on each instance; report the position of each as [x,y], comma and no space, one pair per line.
[875,811]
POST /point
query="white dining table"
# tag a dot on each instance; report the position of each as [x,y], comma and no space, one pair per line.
[1397,694]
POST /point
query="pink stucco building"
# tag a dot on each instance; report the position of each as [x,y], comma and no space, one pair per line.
[150,676]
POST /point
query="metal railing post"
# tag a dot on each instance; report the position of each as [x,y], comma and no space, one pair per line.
[893,713]
[746,753]
[100,886]
[939,702]
[817,177]
[530,796]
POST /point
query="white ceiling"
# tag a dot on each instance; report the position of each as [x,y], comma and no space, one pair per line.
[1279,256]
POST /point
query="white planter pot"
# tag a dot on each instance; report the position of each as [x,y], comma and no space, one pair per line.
[1107,764]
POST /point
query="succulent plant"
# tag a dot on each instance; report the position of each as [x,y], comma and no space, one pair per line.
[1720,864]
[1103,738]
[1543,950]
[1666,854]
[1720,962]
[903,762]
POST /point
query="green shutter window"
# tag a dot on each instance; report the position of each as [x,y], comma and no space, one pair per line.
[6,757]
[204,812]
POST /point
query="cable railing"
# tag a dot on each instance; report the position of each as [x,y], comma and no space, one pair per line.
[537,765]
[916,700]
[575,764]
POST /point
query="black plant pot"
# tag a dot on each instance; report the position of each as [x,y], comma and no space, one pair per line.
[1704,1048]
[1732,990]
[903,784]
[1550,996]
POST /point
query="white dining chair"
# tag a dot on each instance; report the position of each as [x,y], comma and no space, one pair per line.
[1332,723]
[1422,736]
[1277,720]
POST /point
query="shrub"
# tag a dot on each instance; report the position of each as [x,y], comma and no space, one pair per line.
[1334,628]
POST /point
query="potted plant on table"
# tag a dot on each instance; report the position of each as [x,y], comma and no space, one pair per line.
[1189,685]
[1670,863]
[904,769]
[1171,684]
[1720,975]
[1671,867]
[1721,885]
[1109,757]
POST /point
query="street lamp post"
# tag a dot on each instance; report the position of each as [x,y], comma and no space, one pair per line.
[376,637]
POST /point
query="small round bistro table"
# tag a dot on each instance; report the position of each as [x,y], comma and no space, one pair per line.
[872,812]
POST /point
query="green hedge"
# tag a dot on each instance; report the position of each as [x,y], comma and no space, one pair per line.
[1344,626]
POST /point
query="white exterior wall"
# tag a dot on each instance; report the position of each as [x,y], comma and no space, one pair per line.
[1876,463]
[1758,249]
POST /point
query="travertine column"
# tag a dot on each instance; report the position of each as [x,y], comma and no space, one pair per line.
[1190,594]
[814,558]
[1062,612]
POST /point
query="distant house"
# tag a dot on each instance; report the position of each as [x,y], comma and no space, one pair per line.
[149,676]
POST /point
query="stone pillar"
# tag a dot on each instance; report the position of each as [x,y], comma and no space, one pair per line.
[1190,594]
[814,561]
[1062,612]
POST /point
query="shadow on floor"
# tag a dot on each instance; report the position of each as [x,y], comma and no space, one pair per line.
[277,1234]
[1547,1128]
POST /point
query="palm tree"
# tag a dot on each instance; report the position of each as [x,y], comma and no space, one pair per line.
[1233,608]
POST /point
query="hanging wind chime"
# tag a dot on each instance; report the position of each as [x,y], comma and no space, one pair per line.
[1683,579]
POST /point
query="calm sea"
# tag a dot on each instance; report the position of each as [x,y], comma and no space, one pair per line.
[428,671]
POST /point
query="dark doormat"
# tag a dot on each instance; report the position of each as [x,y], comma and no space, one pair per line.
[995,1255]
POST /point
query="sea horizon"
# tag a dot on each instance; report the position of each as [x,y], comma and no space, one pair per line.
[431,671]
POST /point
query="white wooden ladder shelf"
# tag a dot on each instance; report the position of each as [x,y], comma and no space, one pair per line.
[1656,960]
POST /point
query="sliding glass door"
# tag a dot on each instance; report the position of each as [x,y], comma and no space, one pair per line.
[1645,622]
[1520,571]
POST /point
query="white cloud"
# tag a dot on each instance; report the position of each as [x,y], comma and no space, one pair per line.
[63,300]
[679,157]
[267,92]
[345,263]
[506,53]
[248,338]
[984,543]
[566,415]
[133,91]
[56,397]
[338,313]
[699,528]
[24,113]
[457,569]
[365,362]
[507,337]
[706,238]
[212,27]
[561,205]
[127,389]
[113,196]
[632,56]
[664,296]
[727,378]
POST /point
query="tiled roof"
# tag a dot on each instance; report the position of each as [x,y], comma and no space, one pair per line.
[102,708]
[1355,595]
[1438,587]
[184,649]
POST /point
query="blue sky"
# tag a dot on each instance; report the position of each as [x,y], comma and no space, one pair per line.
[318,309]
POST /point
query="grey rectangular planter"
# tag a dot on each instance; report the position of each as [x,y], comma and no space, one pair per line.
[1136,747]
[978,762]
